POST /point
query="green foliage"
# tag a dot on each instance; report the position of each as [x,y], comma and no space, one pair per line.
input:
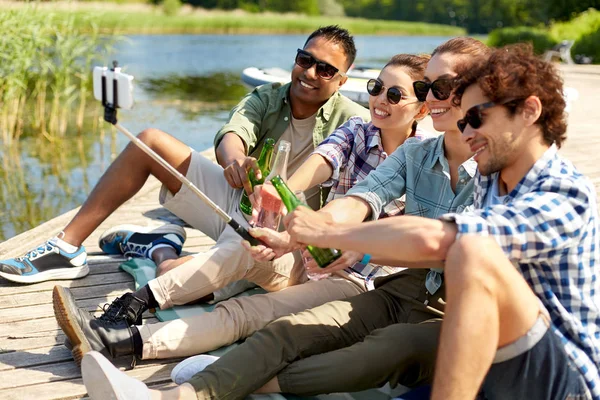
[45,64]
[583,24]
[127,22]
[588,45]
[171,7]
[331,8]
[539,38]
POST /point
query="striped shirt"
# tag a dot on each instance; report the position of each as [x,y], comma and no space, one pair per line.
[353,151]
[548,228]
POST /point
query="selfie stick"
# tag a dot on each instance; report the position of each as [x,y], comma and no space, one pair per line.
[110,115]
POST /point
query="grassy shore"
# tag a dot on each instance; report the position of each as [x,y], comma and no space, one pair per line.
[145,19]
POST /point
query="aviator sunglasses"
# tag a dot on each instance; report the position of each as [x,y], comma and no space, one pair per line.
[324,70]
[474,117]
[394,95]
[441,88]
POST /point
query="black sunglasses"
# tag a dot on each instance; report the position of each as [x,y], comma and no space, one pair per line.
[441,88]
[474,117]
[394,95]
[324,70]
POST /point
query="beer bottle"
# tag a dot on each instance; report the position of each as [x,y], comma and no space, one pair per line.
[264,164]
[323,257]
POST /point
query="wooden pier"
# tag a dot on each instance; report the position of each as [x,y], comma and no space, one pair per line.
[34,364]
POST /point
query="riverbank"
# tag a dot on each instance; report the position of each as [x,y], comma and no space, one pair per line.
[146,19]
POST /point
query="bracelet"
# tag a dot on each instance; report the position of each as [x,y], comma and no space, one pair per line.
[366,258]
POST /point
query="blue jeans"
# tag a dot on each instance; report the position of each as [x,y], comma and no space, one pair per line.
[542,373]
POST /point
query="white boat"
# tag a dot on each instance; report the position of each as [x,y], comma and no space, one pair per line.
[355,88]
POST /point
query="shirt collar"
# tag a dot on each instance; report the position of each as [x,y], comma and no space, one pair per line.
[470,165]
[323,112]
[373,138]
[438,154]
[533,174]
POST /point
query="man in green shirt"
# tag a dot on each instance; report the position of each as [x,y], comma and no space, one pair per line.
[304,112]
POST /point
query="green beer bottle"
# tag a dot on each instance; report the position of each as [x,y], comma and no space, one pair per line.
[264,164]
[323,257]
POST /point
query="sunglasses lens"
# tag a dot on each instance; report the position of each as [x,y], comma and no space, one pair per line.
[462,125]
[374,87]
[304,60]
[421,89]
[394,95]
[442,89]
[325,70]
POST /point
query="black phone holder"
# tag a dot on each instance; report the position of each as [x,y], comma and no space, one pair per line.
[110,109]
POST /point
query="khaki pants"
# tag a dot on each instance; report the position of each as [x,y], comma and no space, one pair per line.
[238,318]
[227,261]
[351,344]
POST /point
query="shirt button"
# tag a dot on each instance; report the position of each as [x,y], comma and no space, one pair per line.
[285,118]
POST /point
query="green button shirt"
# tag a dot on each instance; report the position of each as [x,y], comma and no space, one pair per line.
[266,113]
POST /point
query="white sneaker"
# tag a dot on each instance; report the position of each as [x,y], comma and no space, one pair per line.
[104,381]
[189,367]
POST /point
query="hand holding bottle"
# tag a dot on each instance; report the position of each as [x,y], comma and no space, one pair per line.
[346,260]
[275,245]
[236,173]
[306,226]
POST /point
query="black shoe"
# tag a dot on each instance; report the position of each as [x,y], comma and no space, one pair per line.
[125,308]
[86,333]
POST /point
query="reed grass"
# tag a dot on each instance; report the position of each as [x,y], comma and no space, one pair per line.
[45,71]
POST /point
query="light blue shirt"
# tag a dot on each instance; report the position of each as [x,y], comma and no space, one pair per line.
[419,170]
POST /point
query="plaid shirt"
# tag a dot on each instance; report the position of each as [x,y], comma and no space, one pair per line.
[548,227]
[419,170]
[353,151]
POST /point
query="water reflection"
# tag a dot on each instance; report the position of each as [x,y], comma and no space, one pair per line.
[41,180]
[220,87]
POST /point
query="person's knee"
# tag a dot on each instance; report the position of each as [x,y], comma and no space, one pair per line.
[151,136]
[474,261]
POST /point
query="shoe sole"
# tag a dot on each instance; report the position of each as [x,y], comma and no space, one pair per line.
[69,325]
[182,366]
[168,228]
[50,275]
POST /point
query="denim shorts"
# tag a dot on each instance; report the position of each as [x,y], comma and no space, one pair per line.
[544,372]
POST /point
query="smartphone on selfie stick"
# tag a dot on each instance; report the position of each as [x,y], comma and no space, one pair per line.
[115,90]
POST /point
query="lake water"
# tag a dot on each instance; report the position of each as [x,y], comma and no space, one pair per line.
[185,85]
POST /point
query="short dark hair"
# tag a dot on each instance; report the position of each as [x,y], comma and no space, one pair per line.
[339,36]
[515,73]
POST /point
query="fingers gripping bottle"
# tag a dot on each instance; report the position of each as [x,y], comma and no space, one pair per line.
[264,164]
[323,257]
[269,214]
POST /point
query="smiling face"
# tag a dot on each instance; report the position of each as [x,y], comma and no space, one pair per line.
[443,114]
[307,88]
[385,115]
[495,143]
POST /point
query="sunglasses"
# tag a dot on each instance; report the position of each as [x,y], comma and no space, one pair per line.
[474,117]
[441,89]
[324,70]
[394,95]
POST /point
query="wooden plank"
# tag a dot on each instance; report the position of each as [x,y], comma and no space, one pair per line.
[34,357]
[63,380]
[45,297]
[116,276]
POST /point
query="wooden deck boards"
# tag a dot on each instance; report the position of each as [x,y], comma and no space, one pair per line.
[34,364]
